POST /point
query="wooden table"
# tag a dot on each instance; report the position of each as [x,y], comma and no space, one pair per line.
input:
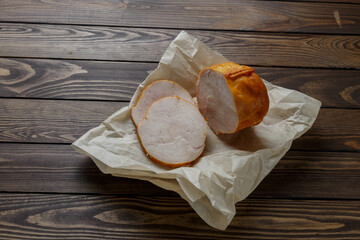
[67,65]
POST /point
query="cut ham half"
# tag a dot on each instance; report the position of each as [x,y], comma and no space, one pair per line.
[155,91]
[231,97]
[173,132]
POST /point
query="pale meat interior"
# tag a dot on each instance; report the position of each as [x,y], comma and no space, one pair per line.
[216,102]
[155,91]
[173,131]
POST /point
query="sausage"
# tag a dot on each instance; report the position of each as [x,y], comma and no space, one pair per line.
[231,97]
[156,91]
[173,132]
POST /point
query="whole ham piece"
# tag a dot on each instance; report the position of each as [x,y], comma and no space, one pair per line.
[156,91]
[173,132]
[231,97]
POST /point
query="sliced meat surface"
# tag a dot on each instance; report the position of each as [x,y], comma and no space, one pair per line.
[231,97]
[173,132]
[155,91]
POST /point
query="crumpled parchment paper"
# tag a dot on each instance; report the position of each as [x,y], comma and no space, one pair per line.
[231,166]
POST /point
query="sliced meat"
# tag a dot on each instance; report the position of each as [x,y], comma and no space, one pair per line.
[231,97]
[155,91]
[173,132]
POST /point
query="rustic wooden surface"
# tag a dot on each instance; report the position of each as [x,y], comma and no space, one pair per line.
[106,217]
[278,16]
[145,44]
[117,81]
[70,172]
[67,65]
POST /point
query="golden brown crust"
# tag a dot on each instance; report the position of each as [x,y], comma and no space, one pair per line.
[248,90]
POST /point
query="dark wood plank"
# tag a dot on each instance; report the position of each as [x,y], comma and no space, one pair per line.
[72,79]
[59,169]
[334,130]
[137,44]
[115,217]
[56,168]
[314,174]
[334,88]
[61,121]
[69,79]
[329,1]
[52,121]
[246,15]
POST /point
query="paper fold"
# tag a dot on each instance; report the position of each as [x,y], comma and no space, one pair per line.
[231,166]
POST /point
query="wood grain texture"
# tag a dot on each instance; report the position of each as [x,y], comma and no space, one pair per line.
[117,81]
[52,121]
[59,169]
[113,217]
[56,168]
[333,130]
[313,174]
[280,16]
[68,79]
[139,44]
[61,121]
[330,1]
[334,88]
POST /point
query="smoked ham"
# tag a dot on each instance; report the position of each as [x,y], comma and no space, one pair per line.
[155,91]
[231,97]
[173,132]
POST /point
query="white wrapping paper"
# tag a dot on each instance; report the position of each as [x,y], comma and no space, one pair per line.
[231,166]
